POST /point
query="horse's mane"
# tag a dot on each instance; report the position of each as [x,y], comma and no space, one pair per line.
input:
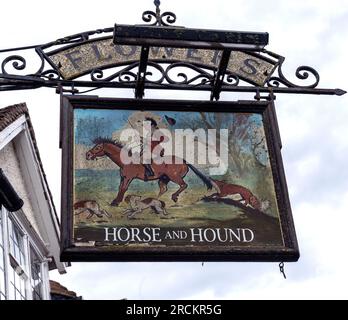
[100,140]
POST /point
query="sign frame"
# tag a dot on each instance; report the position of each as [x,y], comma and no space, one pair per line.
[69,252]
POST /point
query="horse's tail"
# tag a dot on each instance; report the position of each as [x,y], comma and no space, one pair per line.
[207,181]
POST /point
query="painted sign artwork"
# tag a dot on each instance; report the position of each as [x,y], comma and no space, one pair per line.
[166,179]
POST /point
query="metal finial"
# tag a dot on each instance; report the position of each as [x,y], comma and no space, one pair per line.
[157,18]
[158,11]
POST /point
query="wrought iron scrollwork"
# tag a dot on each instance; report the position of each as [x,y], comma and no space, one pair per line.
[157,18]
[302,73]
[202,77]
[121,76]
[18,63]
[149,74]
[177,73]
[50,75]
[160,74]
[163,75]
[168,18]
[231,80]
[150,18]
[128,74]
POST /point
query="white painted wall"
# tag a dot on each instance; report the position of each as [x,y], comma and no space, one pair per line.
[11,166]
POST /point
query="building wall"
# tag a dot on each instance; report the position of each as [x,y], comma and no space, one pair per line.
[11,167]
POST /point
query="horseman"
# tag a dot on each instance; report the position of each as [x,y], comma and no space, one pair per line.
[153,143]
[164,173]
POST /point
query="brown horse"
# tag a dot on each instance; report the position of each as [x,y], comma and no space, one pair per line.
[164,173]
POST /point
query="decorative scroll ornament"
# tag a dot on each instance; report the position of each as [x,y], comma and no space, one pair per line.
[201,76]
[18,63]
[90,59]
[124,75]
[231,80]
[302,73]
[128,74]
[50,75]
[177,73]
[156,18]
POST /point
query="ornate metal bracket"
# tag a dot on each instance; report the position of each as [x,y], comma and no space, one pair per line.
[157,18]
[91,60]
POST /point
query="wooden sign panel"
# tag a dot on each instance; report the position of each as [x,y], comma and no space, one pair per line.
[164,180]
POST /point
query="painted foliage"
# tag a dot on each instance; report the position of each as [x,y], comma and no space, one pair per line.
[221,193]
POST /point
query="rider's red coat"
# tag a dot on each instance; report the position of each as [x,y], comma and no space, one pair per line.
[156,143]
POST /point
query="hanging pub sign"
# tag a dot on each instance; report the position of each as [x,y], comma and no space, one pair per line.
[160,180]
[165,180]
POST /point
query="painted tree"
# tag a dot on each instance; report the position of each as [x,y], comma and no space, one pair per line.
[247,143]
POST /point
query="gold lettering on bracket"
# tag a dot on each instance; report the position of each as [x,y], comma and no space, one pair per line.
[79,60]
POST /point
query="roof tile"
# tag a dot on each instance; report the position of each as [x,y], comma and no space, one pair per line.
[11,114]
[57,288]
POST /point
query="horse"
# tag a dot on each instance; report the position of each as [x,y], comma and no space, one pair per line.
[164,172]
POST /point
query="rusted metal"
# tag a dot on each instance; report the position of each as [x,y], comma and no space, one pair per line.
[219,77]
[11,84]
[192,38]
[140,85]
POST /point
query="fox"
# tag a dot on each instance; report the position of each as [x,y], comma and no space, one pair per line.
[229,189]
[90,206]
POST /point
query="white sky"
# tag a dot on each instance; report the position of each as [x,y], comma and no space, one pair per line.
[313,129]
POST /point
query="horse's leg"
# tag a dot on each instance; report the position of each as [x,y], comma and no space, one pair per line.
[183,185]
[121,191]
[163,187]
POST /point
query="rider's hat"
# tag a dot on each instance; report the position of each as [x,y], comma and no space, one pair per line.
[153,122]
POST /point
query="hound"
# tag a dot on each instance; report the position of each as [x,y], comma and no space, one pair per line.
[90,206]
[137,205]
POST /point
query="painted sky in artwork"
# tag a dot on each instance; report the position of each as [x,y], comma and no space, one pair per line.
[103,122]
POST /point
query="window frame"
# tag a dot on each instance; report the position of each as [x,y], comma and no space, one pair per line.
[44,272]
[3,247]
[9,259]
